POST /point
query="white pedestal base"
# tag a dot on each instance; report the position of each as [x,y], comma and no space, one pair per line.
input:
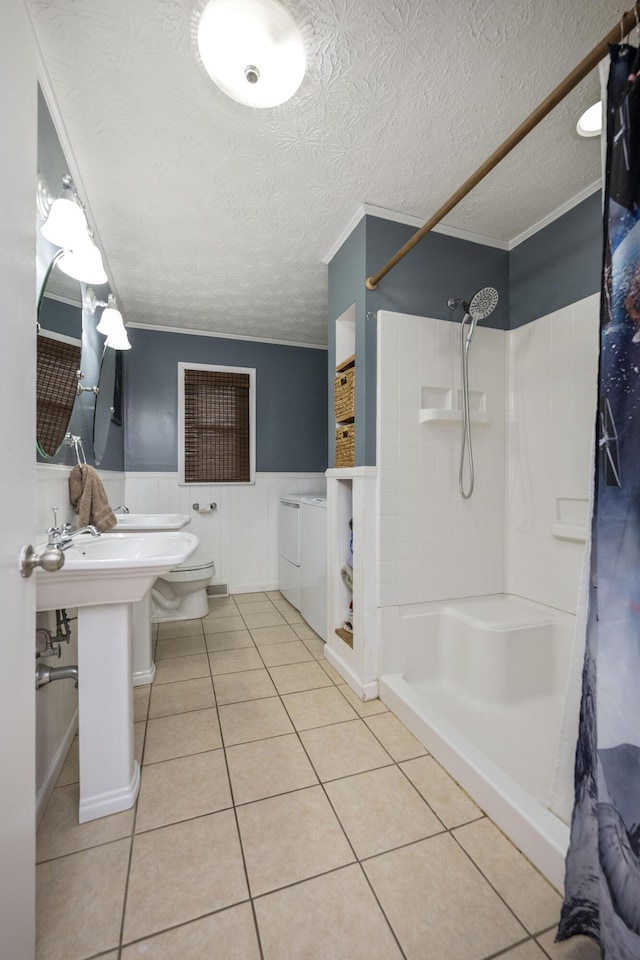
[144,669]
[109,774]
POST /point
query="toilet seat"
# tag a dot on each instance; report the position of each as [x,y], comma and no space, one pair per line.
[188,565]
[190,571]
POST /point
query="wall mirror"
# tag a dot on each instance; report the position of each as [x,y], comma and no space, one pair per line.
[59,347]
[104,407]
[68,341]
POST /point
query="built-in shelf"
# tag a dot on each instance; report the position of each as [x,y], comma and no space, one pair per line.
[572,519]
[577,532]
[346,636]
[441,415]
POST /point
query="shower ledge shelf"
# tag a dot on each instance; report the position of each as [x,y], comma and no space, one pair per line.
[576,532]
[443,415]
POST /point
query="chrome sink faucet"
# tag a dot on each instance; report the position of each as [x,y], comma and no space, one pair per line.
[58,535]
[64,535]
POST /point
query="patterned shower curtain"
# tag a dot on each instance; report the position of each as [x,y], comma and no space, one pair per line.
[602,887]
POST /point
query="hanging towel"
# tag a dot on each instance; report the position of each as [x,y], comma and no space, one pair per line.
[89,500]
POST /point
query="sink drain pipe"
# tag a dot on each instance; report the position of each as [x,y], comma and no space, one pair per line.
[46,674]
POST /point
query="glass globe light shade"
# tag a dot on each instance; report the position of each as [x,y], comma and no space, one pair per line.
[66,225]
[118,339]
[111,319]
[252,49]
[84,264]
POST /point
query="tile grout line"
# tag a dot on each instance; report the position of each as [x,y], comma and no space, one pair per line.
[342,828]
[238,831]
[133,833]
[482,873]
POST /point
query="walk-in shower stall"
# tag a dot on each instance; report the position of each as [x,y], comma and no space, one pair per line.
[477,596]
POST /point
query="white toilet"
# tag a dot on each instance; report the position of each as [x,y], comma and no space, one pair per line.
[181,594]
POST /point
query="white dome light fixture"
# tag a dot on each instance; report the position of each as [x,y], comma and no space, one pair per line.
[253,50]
[590,122]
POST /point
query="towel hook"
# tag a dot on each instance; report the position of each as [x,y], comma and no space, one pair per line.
[76,443]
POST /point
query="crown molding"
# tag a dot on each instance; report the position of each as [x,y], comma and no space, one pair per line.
[367,209]
[556,214]
[189,331]
[382,213]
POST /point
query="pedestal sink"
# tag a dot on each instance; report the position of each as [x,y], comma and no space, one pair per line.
[150,522]
[144,669]
[102,577]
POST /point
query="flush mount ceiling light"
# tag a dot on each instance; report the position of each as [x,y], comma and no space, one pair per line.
[590,122]
[111,324]
[65,221]
[252,49]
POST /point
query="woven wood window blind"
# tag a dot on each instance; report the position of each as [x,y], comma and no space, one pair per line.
[216,427]
[56,389]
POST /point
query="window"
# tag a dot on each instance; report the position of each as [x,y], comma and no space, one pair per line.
[217,423]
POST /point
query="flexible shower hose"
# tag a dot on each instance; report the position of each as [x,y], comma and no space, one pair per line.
[466,445]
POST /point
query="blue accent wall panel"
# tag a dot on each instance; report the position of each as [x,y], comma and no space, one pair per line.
[438,268]
[291,399]
[559,265]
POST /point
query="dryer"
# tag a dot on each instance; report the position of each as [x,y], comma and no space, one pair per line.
[313,564]
[289,542]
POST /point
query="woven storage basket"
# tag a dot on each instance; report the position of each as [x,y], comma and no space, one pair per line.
[345,453]
[344,391]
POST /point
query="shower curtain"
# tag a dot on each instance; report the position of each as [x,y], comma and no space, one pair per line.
[602,885]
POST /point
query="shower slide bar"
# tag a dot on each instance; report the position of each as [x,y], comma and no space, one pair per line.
[616,35]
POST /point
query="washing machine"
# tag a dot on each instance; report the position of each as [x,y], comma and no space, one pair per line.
[289,540]
[313,563]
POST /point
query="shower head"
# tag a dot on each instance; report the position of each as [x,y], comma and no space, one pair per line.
[483,303]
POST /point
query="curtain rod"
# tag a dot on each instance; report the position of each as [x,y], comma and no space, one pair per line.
[585,67]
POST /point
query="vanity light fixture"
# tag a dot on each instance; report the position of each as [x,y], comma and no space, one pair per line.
[590,122]
[66,227]
[118,340]
[252,49]
[111,324]
[84,263]
[65,223]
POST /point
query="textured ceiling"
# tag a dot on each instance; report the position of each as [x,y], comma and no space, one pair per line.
[215,216]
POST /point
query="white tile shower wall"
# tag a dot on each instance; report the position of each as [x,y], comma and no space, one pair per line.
[552,393]
[241,534]
[56,703]
[432,544]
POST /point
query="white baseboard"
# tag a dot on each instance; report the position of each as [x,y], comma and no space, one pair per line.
[59,757]
[252,587]
[366,691]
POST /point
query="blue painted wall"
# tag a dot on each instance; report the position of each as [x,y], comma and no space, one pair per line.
[439,267]
[559,265]
[291,399]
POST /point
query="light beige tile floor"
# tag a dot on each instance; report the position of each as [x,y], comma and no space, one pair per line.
[281,818]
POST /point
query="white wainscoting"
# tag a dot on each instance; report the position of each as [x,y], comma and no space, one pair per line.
[52,486]
[241,534]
